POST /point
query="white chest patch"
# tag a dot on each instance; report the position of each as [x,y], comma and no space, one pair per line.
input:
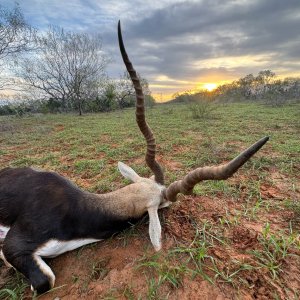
[3,231]
[55,247]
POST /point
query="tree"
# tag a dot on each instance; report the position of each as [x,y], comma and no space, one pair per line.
[68,67]
[15,38]
[265,77]
[246,85]
[125,93]
[107,99]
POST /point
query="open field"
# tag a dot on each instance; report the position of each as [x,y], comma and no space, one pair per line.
[235,239]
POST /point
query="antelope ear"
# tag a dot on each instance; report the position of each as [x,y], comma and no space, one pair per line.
[154,228]
[127,172]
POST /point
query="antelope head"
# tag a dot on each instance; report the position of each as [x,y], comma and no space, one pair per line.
[168,194]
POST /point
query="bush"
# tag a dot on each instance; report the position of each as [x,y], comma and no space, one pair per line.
[50,106]
[6,110]
[149,101]
[18,109]
[128,101]
[202,110]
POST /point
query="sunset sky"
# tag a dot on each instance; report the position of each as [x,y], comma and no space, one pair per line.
[180,45]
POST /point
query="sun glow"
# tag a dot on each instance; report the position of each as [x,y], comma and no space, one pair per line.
[209,86]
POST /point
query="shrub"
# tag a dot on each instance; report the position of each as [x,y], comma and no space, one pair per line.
[202,110]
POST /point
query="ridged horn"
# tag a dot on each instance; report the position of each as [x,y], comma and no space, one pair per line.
[140,114]
[186,185]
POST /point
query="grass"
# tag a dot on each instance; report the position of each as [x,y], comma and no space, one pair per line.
[94,143]
[167,273]
[86,149]
[203,110]
[275,249]
[99,270]
[14,288]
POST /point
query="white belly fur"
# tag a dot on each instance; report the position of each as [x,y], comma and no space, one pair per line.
[3,231]
[55,247]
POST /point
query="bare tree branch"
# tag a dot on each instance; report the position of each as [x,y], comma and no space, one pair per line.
[15,38]
[66,66]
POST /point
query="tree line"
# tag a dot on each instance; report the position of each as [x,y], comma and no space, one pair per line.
[265,87]
[58,70]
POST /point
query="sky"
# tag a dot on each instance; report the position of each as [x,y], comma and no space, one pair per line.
[183,45]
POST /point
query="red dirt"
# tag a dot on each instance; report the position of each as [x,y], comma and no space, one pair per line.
[59,127]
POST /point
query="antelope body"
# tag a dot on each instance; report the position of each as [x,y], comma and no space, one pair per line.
[43,214]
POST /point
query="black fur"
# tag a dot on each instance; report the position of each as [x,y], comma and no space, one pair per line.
[39,206]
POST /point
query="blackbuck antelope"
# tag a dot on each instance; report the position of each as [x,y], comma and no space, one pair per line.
[43,214]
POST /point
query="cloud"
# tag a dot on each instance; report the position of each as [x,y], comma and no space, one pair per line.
[173,43]
[236,37]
